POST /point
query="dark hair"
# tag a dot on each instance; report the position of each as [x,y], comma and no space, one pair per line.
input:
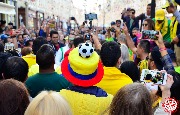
[16,68]
[156,57]
[110,53]
[133,99]
[145,45]
[45,57]
[136,28]
[13,97]
[19,35]
[149,4]
[134,74]
[151,24]
[2,22]
[133,10]
[53,32]
[78,41]
[27,43]
[118,21]
[24,34]
[37,43]
[3,58]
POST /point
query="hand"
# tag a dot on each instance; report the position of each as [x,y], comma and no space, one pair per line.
[159,42]
[168,84]
[125,29]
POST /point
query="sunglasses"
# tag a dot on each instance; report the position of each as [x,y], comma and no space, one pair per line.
[133,12]
[144,24]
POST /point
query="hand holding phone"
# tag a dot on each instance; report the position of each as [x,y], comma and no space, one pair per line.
[153,76]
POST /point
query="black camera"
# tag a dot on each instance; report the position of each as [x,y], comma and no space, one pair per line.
[113,30]
[88,36]
[151,34]
[72,18]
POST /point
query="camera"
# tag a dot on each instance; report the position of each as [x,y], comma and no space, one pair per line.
[72,18]
[88,36]
[153,76]
[113,30]
[151,34]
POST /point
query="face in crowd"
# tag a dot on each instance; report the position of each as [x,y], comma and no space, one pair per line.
[145,25]
[20,39]
[148,9]
[55,38]
[118,23]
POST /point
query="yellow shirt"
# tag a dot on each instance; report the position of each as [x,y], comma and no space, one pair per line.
[113,80]
[35,69]
[30,59]
[86,104]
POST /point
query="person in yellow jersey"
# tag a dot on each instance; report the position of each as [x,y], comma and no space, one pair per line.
[142,50]
[162,24]
[113,79]
[84,69]
[171,8]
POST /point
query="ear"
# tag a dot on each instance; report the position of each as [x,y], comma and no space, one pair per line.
[118,62]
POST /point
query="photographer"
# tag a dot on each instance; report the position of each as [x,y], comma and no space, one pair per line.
[111,34]
[69,24]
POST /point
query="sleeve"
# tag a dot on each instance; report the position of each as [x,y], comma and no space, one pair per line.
[177,15]
[58,57]
[168,66]
[160,111]
[65,83]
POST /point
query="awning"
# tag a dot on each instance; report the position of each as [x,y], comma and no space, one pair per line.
[7,9]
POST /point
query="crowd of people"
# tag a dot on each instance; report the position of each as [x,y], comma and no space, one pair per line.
[88,70]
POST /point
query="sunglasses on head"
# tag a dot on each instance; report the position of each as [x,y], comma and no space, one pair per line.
[144,24]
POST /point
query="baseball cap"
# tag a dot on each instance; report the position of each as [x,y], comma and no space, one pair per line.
[160,14]
[167,4]
[4,36]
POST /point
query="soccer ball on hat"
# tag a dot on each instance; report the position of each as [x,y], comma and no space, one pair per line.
[85,50]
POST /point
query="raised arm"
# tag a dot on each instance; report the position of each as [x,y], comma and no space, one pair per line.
[129,40]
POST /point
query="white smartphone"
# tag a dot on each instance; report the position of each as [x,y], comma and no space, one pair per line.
[153,76]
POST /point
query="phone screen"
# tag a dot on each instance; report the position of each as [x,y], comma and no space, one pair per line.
[153,76]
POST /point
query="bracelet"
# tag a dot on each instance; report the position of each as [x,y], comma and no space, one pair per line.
[162,49]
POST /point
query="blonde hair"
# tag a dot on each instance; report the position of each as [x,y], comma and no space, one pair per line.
[48,103]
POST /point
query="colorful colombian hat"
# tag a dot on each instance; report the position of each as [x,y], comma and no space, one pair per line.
[83,66]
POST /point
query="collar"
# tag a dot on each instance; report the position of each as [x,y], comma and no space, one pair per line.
[92,90]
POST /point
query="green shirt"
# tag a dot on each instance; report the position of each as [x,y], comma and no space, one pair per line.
[177,69]
[167,36]
[50,81]
[109,39]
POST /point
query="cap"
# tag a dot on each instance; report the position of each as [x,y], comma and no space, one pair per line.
[4,36]
[168,4]
[160,14]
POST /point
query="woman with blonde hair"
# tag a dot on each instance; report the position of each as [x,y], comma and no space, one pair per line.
[48,103]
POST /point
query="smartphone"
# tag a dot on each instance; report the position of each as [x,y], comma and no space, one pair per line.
[153,76]
[72,18]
